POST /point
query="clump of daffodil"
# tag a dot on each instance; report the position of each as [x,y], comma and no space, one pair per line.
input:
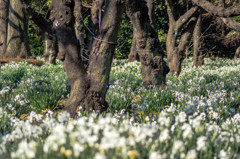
[65,152]
[132,154]
[101,150]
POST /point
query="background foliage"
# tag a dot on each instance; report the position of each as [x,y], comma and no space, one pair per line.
[212,46]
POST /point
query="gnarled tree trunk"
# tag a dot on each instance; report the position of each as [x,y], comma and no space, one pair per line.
[153,67]
[63,20]
[198,59]
[88,87]
[101,56]
[133,52]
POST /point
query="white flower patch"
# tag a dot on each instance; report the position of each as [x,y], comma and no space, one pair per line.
[178,146]
[181,118]
[191,154]
[201,143]
[187,131]
[199,112]
[25,150]
[155,155]
[5,90]
[99,156]
[223,154]
[63,117]
[164,135]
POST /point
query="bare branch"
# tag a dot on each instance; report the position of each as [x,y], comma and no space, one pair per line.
[186,36]
[219,11]
[186,17]
[231,24]
[170,11]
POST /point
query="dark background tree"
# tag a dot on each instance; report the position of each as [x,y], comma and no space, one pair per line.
[226,41]
[175,51]
[153,66]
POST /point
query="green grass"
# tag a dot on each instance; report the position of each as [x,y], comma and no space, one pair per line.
[196,115]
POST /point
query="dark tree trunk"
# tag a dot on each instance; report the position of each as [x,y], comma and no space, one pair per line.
[88,88]
[231,24]
[45,30]
[153,67]
[101,56]
[198,58]
[63,20]
[14,31]
[133,52]
[175,52]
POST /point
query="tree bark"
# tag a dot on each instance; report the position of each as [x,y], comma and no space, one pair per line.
[101,56]
[63,20]
[219,11]
[153,67]
[4,5]
[175,52]
[80,15]
[198,59]
[133,52]
[151,14]
[17,33]
[133,56]
[94,19]
[231,24]
[14,30]
[88,87]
